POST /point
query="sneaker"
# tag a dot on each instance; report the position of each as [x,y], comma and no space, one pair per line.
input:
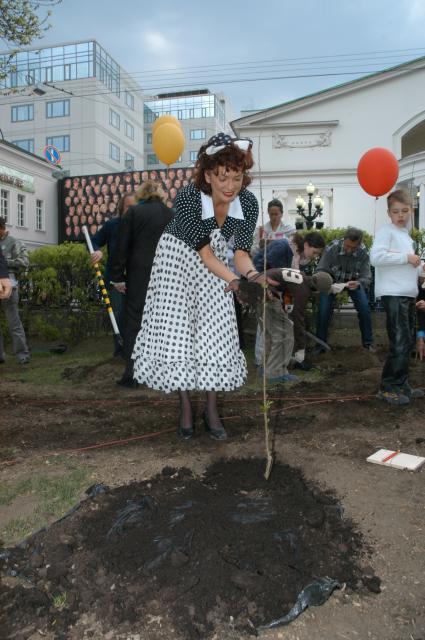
[287,377]
[393,397]
[414,393]
[24,360]
[370,348]
[304,366]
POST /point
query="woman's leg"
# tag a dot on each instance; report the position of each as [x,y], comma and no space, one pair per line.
[212,410]
[186,417]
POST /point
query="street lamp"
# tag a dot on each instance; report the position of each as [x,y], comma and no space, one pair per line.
[317,202]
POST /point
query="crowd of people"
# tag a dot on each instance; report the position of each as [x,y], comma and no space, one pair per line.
[93,200]
[178,274]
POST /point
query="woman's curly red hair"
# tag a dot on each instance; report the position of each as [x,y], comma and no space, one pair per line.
[231,157]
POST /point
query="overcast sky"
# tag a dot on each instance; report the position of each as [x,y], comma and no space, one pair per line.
[148,38]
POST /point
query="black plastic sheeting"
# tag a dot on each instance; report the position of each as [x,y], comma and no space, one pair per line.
[248,511]
[313,595]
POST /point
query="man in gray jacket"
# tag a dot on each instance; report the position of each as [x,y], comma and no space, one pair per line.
[347,261]
[16,256]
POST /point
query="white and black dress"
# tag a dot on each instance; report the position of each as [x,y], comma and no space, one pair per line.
[189,338]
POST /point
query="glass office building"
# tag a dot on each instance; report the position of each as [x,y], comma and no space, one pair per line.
[201,115]
[72,61]
[186,106]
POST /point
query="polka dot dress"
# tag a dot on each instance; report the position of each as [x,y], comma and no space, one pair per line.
[180,346]
[189,338]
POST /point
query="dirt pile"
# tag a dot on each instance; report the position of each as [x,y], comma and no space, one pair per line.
[181,553]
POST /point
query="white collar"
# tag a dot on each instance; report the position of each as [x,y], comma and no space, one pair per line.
[235,208]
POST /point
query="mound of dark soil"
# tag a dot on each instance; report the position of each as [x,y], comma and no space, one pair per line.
[181,552]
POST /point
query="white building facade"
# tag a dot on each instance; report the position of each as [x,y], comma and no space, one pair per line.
[201,114]
[321,138]
[28,196]
[75,97]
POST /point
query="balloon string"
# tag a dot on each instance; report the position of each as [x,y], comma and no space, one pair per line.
[374,218]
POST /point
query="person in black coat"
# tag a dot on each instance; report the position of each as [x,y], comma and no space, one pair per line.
[108,235]
[5,283]
[140,230]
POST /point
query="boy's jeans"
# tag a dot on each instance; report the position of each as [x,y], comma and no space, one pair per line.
[361,303]
[401,319]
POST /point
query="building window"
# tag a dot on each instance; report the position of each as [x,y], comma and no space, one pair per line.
[4,204]
[129,161]
[193,156]
[129,130]
[152,159]
[20,222]
[198,134]
[114,119]
[39,215]
[148,138]
[57,109]
[26,145]
[22,112]
[129,100]
[114,152]
[60,142]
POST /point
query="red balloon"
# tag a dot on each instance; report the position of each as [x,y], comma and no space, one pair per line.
[377,171]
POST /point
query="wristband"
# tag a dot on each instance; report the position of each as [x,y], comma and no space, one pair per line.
[250,271]
[420,334]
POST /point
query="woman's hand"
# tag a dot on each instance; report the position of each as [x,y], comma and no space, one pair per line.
[248,293]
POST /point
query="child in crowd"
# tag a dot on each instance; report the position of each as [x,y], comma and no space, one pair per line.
[396,282]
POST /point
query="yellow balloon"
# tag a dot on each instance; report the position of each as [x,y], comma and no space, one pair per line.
[162,120]
[168,142]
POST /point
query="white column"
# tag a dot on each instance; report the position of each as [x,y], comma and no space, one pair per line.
[422,204]
[327,217]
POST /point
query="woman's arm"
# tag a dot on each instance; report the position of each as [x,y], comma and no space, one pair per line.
[216,266]
[243,263]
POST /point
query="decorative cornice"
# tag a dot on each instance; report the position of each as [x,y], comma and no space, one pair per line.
[302,140]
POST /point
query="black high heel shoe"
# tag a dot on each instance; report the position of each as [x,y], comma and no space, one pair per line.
[218,433]
[186,433]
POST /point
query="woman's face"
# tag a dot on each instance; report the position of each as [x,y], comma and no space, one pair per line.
[115,198]
[99,218]
[312,252]
[225,184]
[275,215]
[128,202]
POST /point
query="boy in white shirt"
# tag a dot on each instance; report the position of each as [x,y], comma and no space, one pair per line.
[396,282]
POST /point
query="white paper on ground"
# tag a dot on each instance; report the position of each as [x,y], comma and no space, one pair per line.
[398,461]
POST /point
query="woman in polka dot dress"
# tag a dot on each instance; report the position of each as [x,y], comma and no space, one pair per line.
[189,338]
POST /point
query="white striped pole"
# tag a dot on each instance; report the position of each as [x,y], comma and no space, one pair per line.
[104,292]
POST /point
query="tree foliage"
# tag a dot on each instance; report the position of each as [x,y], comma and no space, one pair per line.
[21,22]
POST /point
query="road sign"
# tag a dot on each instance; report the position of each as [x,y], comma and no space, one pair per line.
[52,154]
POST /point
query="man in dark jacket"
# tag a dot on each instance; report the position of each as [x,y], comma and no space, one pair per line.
[347,261]
[139,234]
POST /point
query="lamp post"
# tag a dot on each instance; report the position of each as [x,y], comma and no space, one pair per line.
[315,201]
